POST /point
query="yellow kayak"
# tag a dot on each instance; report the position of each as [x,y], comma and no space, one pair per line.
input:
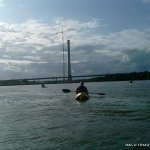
[82,96]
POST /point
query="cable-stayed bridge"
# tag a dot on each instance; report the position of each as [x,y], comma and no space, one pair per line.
[56,78]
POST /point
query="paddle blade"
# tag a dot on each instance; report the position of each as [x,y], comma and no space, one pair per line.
[101,93]
[98,93]
[66,90]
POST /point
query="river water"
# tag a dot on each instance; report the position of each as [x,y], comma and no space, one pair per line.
[35,118]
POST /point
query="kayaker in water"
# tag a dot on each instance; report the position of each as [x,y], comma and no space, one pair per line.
[81,88]
[43,86]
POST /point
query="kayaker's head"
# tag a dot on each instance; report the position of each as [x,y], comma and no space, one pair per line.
[82,83]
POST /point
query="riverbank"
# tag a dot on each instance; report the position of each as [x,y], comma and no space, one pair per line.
[101,78]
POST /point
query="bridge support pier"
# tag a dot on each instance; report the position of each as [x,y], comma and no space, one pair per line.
[69,63]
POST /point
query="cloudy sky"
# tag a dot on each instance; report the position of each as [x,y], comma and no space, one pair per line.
[107,36]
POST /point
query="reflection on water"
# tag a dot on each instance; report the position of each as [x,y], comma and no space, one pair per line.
[35,118]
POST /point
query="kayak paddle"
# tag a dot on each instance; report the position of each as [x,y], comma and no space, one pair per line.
[67,91]
[98,93]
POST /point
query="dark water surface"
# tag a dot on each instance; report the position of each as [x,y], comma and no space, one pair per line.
[35,118]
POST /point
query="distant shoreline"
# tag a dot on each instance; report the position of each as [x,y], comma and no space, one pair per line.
[102,78]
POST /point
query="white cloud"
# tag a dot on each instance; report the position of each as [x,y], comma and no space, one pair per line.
[129,39]
[33,46]
[70,24]
[2,3]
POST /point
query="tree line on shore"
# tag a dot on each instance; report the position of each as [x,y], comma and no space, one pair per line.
[124,77]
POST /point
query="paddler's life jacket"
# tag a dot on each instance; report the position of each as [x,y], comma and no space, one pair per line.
[82,89]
